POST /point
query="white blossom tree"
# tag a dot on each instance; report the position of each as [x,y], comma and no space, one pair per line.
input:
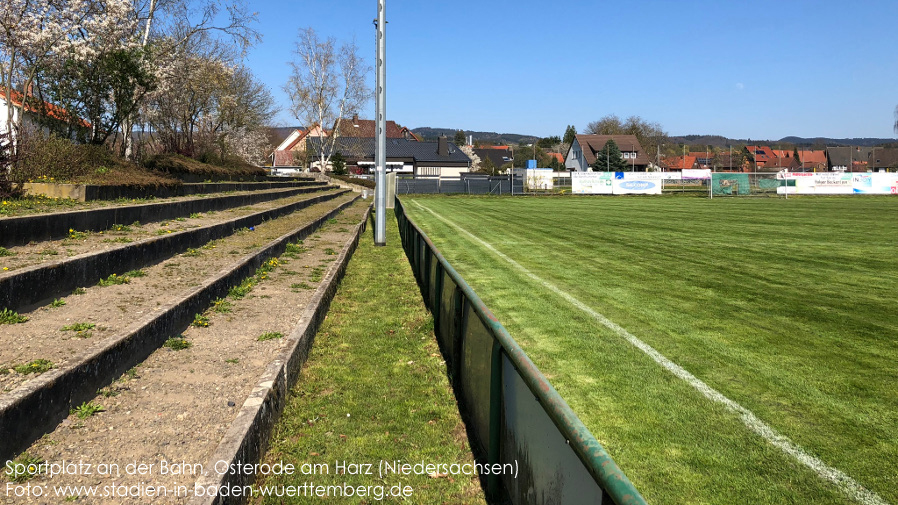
[114,64]
[33,33]
[98,79]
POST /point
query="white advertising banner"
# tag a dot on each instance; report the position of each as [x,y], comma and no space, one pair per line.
[621,186]
[638,176]
[538,179]
[647,176]
[591,183]
[875,183]
[842,183]
[827,184]
[696,173]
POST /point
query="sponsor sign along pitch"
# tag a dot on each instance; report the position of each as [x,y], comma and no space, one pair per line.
[842,183]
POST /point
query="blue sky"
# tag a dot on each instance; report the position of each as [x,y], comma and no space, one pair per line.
[760,69]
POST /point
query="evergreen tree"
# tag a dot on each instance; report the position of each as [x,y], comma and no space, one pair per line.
[487,166]
[610,159]
[548,142]
[338,163]
[460,139]
[569,134]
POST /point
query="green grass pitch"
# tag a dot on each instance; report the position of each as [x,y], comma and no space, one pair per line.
[786,307]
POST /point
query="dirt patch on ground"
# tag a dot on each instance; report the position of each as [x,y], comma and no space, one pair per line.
[176,405]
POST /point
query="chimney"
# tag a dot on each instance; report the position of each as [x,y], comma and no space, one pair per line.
[443,146]
[355,119]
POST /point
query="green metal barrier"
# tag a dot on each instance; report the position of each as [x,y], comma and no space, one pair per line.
[745,183]
[516,418]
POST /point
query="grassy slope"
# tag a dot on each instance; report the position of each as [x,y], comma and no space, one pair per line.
[376,359]
[786,307]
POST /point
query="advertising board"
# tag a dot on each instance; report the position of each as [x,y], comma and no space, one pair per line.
[621,186]
[875,183]
[696,173]
[591,183]
[842,183]
[538,179]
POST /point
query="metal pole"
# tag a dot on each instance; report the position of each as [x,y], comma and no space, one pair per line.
[783,173]
[511,170]
[380,158]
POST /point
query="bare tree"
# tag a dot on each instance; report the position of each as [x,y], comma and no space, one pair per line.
[175,27]
[896,120]
[327,83]
[650,135]
[244,106]
[608,125]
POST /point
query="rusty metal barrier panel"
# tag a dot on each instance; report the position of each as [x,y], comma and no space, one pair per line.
[536,450]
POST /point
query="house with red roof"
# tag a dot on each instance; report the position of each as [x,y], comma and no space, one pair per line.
[296,142]
[807,159]
[814,160]
[760,154]
[787,161]
[367,129]
[31,112]
[285,153]
[702,158]
[675,163]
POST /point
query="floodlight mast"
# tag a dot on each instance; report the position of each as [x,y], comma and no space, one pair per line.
[380,151]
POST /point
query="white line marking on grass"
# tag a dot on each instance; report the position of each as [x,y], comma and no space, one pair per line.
[849,486]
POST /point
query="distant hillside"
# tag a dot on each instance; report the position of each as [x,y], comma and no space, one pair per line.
[718,141]
[427,133]
[703,140]
[863,142]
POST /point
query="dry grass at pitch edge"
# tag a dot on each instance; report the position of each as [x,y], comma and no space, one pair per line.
[375,388]
[785,307]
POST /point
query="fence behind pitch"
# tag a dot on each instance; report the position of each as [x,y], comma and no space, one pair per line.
[746,183]
[723,184]
[469,184]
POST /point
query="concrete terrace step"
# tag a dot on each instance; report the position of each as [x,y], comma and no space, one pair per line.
[91,192]
[40,404]
[30,285]
[25,229]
